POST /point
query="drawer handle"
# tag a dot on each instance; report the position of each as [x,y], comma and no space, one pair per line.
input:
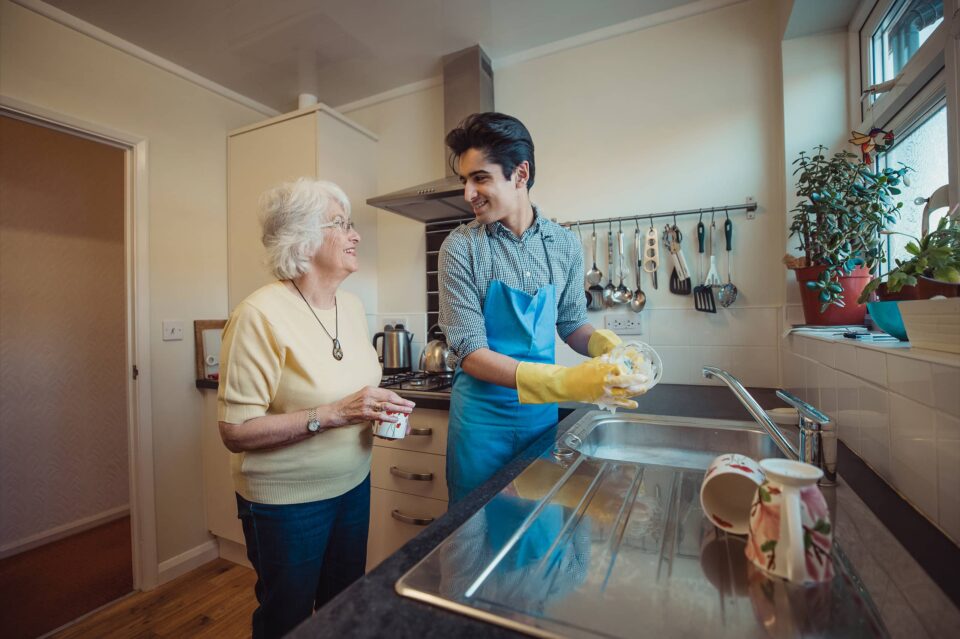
[421,432]
[411,519]
[406,474]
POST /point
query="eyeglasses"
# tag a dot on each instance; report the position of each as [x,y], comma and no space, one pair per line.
[344,225]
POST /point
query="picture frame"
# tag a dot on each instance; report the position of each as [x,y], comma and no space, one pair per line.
[206,336]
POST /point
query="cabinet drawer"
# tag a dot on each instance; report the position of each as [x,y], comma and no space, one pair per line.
[409,472]
[396,518]
[428,433]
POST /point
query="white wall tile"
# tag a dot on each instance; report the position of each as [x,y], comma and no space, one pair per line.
[848,411]
[846,358]
[676,364]
[811,387]
[718,356]
[911,378]
[823,352]
[674,327]
[913,451]
[794,314]
[754,366]
[748,326]
[872,366]
[946,388]
[910,419]
[827,386]
[948,469]
[875,428]
[792,367]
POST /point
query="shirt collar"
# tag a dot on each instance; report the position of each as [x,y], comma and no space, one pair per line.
[539,226]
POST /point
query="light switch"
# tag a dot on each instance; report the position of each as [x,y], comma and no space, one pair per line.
[172,330]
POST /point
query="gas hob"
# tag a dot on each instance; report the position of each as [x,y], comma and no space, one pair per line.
[418,381]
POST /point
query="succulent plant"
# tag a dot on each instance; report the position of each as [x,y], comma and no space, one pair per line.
[844,206]
[935,255]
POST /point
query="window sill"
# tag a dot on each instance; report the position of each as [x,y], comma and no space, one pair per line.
[902,349]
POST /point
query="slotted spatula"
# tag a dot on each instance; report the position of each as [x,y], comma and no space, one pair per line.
[702,294]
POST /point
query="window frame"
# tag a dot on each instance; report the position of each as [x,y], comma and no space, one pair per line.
[930,75]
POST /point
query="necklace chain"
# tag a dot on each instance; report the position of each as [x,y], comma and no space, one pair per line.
[337,349]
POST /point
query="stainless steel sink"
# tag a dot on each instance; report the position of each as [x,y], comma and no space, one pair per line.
[603,536]
[666,441]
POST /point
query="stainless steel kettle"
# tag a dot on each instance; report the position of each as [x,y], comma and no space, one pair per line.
[433,359]
[396,356]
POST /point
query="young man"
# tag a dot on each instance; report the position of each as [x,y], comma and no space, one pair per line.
[508,281]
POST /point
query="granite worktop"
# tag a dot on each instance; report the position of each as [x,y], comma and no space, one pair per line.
[910,602]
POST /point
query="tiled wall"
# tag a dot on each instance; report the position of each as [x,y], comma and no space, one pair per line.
[897,408]
[741,340]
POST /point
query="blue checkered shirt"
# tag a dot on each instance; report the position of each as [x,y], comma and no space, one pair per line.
[474,254]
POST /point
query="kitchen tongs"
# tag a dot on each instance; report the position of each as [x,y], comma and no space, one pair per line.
[680,278]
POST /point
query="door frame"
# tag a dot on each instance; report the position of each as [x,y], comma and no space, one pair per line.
[143,514]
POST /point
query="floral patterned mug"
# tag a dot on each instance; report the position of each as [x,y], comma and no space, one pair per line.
[790,533]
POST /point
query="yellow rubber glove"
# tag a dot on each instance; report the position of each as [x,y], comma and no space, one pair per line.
[548,383]
[602,342]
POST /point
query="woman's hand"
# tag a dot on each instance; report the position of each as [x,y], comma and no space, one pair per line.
[369,404]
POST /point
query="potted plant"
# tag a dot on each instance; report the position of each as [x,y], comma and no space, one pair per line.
[844,206]
[933,267]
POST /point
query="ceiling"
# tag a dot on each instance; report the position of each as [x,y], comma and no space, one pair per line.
[809,17]
[344,50]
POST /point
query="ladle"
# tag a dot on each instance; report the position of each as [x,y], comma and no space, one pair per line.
[594,275]
[728,292]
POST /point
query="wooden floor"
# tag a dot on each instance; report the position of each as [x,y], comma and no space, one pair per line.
[215,600]
[46,587]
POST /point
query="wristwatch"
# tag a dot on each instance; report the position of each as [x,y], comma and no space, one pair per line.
[313,424]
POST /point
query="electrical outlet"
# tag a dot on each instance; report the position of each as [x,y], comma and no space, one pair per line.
[172,330]
[623,324]
[393,321]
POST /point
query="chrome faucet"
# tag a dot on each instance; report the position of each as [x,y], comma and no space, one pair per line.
[818,436]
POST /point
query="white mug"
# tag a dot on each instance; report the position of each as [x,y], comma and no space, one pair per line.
[392,430]
[727,492]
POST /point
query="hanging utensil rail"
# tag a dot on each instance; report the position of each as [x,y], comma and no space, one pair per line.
[750,206]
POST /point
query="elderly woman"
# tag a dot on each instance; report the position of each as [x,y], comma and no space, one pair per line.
[298,389]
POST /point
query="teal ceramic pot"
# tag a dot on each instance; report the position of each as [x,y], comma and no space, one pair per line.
[886,315]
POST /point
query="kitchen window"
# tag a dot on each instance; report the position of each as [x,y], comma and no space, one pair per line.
[925,149]
[904,28]
[907,82]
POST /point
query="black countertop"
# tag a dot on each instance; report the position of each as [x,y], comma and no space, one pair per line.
[372,608]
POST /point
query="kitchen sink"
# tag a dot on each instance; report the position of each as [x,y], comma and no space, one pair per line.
[603,536]
[666,441]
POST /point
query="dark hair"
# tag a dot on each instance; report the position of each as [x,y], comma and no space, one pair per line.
[502,138]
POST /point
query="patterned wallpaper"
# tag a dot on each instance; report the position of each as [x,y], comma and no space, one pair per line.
[63,424]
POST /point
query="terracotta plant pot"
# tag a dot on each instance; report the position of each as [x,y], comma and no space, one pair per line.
[928,287]
[905,293]
[853,285]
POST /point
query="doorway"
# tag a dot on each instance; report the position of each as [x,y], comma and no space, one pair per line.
[65,531]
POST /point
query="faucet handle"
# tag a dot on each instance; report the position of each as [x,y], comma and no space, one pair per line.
[806,410]
[818,438]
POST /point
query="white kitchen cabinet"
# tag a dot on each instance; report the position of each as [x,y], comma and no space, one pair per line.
[402,498]
[314,142]
[395,519]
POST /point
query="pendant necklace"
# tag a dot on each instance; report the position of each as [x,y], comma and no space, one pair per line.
[337,350]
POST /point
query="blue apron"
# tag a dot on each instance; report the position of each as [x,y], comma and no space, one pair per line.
[488,425]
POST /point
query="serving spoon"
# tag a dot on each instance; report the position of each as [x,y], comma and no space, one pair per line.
[639,297]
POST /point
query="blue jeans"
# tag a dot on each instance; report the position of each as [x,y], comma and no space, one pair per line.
[304,555]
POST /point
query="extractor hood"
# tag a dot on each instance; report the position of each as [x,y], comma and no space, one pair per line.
[467,89]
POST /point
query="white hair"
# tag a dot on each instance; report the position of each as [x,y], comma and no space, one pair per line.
[290,216]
